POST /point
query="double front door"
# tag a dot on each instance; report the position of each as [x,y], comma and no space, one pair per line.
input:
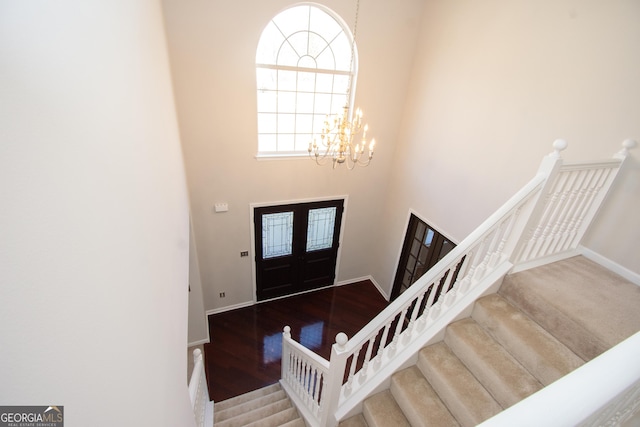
[296,247]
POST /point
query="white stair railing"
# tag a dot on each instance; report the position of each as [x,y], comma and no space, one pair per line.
[199,392]
[546,219]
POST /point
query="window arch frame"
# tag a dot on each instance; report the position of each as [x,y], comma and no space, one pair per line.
[275,137]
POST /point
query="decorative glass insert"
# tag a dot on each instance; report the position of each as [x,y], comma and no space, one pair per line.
[320,228]
[277,234]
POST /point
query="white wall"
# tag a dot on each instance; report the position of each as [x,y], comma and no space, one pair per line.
[212,47]
[94,215]
[494,82]
[198,324]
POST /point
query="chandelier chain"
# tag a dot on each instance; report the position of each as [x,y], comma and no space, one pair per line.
[337,141]
[353,46]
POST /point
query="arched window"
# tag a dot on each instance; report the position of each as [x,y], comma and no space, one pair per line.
[305,62]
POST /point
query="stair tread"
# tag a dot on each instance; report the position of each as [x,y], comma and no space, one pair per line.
[250,405]
[237,400]
[467,400]
[259,414]
[418,401]
[506,379]
[286,416]
[537,350]
[298,422]
[354,421]
[381,410]
[587,307]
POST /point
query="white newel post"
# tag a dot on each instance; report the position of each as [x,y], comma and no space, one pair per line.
[333,386]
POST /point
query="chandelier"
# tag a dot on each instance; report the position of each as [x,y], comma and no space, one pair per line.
[338,138]
[340,132]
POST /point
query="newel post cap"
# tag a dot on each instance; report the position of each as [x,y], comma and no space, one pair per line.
[341,340]
[287,331]
[627,145]
[558,146]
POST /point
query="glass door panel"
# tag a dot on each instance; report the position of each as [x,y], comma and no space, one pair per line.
[277,234]
[320,226]
[423,247]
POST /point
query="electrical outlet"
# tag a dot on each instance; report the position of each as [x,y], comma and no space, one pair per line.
[222,295]
[244,253]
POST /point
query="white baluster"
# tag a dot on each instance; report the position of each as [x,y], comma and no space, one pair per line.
[364,372]
[383,346]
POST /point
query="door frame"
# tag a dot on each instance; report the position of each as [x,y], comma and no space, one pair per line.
[252,251]
[402,239]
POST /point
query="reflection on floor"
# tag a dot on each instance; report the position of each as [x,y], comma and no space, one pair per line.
[246,344]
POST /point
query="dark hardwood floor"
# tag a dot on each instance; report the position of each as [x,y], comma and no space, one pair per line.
[246,344]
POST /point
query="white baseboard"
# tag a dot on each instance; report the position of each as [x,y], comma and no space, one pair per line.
[360,279]
[341,283]
[199,342]
[611,265]
[229,308]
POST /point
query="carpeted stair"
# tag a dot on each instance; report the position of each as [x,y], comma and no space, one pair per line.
[265,407]
[542,324]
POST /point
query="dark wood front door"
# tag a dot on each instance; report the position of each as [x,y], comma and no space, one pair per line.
[423,247]
[296,247]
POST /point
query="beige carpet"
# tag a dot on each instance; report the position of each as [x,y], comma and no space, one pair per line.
[542,324]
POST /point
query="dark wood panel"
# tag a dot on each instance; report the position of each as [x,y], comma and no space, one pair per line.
[244,353]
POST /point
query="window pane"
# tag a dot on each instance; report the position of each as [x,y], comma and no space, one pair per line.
[306,82]
[266,123]
[269,44]
[307,62]
[286,142]
[341,84]
[321,22]
[287,55]
[266,79]
[293,19]
[303,123]
[322,104]
[317,45]
[305,103]
[428,238]
[300,43]
[286,123]
[320,228]
[286,80]
[267,101]
[286,102]
[411,263]
[342,48]
[277,234]
[415,247]
[324,83]
[326,60]
[267,143]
